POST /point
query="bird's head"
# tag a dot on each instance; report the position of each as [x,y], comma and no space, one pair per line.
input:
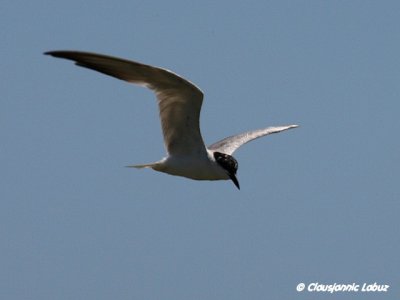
[228,163]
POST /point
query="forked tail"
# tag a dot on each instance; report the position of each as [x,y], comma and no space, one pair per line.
[143,166]
[157,166]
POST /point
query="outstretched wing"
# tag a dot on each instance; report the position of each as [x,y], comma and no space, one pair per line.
[230,144]
[179,100]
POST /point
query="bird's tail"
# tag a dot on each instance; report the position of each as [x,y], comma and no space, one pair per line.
[154,166]
[142,166]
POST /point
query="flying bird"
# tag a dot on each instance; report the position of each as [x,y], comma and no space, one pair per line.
[179,103]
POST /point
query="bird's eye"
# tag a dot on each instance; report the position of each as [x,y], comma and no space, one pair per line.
[226,161]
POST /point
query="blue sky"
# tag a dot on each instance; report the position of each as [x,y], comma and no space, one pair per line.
[317,204]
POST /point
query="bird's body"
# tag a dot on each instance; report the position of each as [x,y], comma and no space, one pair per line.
[179,104]
[193,167]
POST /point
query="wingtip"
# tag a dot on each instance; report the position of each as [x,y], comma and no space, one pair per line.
[290,126]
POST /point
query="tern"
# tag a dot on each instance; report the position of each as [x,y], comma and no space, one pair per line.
[179,103]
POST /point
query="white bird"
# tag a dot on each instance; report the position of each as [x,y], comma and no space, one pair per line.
[179,103]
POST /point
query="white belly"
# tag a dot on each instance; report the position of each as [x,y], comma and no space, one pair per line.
[192,167]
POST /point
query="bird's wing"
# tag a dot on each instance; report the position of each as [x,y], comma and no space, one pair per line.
[230,144]
[179,101]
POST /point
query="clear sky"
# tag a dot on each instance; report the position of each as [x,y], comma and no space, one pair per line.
[319,203]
